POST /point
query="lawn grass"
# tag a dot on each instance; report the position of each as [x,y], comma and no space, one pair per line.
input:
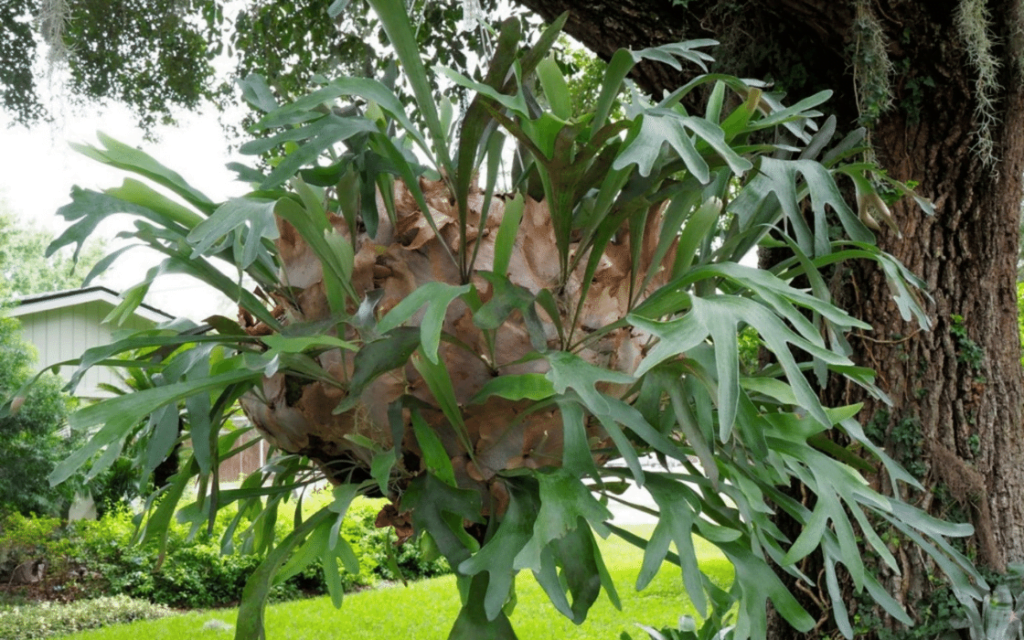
[426,610]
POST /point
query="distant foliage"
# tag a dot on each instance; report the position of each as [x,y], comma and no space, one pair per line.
[407,561]
[32,440]
[88,558]
[584,73]
[155,56]
[25,269]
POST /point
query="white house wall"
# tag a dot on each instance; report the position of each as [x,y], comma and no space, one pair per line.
[65,333]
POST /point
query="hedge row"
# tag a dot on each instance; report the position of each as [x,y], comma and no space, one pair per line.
[87,559]
[47,619]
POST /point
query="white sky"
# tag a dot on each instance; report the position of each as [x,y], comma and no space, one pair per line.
[38,169]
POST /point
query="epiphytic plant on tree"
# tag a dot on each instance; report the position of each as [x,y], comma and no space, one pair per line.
[480,357]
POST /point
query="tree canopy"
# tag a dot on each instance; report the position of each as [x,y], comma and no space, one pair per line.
[26,269]
[157,57]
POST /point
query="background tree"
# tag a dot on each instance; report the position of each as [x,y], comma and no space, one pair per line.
[33,440]
[157,57]
[25,269]
[153,56]
[939,86]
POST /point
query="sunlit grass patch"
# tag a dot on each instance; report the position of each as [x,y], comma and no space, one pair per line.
[425,610]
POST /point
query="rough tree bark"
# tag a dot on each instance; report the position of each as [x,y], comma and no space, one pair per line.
[957,390]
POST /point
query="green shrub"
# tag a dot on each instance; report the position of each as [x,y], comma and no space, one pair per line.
[27,539]
[194,574]
[32,439]
[97,557]
[199,576]
[378,546]
[24,537]
[116,487]
[49,619]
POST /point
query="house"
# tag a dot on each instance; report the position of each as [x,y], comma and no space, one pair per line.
[62,325]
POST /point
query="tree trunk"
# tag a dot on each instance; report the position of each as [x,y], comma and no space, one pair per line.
[957,390]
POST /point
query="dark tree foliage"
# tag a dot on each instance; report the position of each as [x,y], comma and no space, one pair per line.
[17,85]
[156,57]
[35,438]
[293,41]
[151,55]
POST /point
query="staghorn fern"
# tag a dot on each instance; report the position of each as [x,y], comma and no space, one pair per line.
[480,357]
